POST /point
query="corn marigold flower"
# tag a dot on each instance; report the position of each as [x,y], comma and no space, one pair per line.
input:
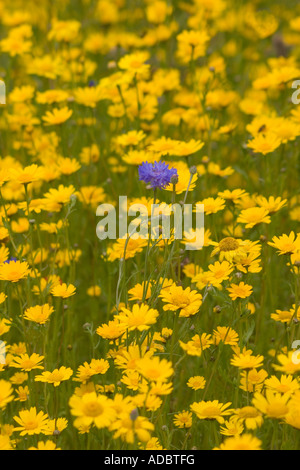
[55,377]
[273,405]
[286,363]
[111,330]
[154,369]
[249,415]
[225,334]
[183,419]
[48,445]
[233,427]
[30,422]
[6,393]
[244,442]
[129,426]
[140,317]
[239,291]
[64,291]
[27,363]
[197,345]
[39,314]
[286,384]
[22,394]
[14,271]
[286,244]
[5,443]
[245,360]
[92,409]
[254,216]
[197,382]
[57,116]
[253,380]
[187,301]
[211,410]
[4,326]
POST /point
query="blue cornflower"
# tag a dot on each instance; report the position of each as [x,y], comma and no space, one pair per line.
[157,174]
[10,260]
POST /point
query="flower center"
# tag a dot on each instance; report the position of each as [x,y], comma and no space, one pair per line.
[228,244]
[93,409]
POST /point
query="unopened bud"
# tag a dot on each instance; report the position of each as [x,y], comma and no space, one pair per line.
[134,415]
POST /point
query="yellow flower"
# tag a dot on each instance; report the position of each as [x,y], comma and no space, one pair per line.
[64,291]
[30,422]
[154,369]
[254,216]
[6,394]
[140,317]
[273,405]
[129,426]
[197,345]
[112,330]
[14,271]
[264,143]
[244,442]
[197,382]
[286,384]
[239,291]
[232,427]
[57,116]
[211,410]
[55,377]
[225,334]
[92,409]
[253,380]
[250,416]
[286,244]
[39,314]
[183,419]
[48,445]
[27,363]
[186,300]
[245,360]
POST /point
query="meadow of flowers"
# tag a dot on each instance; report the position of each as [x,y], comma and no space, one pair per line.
[134,343]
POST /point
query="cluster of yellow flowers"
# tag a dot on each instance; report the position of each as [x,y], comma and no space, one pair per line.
[141,343]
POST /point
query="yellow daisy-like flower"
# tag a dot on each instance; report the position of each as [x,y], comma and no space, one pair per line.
[239,291]
[186,300]
[183,419]
[39,314]
[14,271]
[245,360]
[273,405]
[286,384]
[211,410]
[265,143]
[57,116]
[197,382]
[6,394]
[155,369]
[48,445]
[64,291]
[286,244]
[56,376]
[244,442]
[30,422]
[254,216]
[26,362]
[92,409]
[252,418]
[129,426]
[140,317]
